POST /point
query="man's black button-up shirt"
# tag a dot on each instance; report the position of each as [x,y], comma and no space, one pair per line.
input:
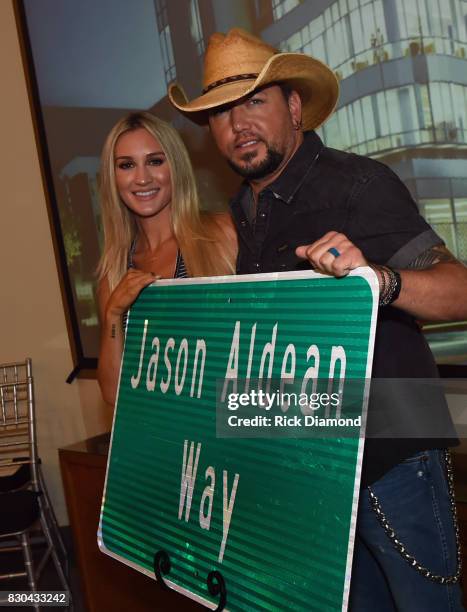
[323,189]
[320,190]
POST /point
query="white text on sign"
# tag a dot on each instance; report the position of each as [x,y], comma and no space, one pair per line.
[187,485]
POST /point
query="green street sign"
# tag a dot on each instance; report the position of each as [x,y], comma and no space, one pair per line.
[231,518]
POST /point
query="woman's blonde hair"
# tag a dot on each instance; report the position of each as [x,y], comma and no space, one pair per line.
[203,244]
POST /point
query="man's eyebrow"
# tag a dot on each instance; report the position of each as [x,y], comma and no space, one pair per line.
[229,105]
[220,109]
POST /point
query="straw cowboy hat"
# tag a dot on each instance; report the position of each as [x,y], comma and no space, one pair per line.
[237,63]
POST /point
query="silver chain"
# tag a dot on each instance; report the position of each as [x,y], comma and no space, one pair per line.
[405,554]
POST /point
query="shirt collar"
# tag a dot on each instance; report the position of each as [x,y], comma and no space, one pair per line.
[290,180]
[293,175]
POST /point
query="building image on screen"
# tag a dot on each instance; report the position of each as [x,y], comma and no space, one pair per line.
[402,68]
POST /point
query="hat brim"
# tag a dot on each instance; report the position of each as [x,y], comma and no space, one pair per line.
[316,84]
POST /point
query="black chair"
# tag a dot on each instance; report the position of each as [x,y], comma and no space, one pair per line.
[25,507]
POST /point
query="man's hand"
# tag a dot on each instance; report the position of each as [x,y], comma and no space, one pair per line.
[344,255]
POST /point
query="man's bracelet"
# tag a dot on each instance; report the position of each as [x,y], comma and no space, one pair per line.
[391,285]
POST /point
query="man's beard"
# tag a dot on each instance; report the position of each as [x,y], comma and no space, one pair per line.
[267,166]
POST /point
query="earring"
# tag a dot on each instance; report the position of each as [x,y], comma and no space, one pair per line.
[297,125]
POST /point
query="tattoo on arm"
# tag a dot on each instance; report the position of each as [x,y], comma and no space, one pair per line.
[434,255]
[113,330]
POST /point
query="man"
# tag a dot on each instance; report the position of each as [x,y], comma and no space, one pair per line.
[304,205]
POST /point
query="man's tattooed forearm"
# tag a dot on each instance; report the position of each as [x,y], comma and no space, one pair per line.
[437,254]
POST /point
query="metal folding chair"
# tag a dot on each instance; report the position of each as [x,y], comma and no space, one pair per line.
[25,506]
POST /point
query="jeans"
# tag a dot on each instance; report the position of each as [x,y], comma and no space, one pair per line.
[414,497]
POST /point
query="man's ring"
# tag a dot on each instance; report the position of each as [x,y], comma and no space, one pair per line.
[334,251]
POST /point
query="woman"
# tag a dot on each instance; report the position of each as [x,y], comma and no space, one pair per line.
[153,227]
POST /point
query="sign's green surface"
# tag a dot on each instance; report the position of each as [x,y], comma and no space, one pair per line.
[276,515]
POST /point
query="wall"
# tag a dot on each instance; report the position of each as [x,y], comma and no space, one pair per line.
[32,321]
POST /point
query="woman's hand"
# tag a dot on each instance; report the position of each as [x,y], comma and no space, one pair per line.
[127,290]
[112,305]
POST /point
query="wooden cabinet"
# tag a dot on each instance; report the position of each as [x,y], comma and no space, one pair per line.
[109,586]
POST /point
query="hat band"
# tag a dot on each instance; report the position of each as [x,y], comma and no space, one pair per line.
[230,79]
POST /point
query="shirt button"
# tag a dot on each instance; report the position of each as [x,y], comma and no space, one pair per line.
[243,223]
[262,215]
[257,265]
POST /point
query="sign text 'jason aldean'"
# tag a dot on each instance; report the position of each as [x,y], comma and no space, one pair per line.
[179,357]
